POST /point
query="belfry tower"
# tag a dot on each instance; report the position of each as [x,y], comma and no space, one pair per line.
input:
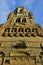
[21,38]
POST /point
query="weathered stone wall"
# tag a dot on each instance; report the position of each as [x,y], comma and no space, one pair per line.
[21,28]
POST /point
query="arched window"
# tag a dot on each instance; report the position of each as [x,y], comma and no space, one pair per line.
[7,30]
[24,20]
[14,30]
[21,11]
[30,15]
[18,20]
[21,30]
[34,30]
[27,30]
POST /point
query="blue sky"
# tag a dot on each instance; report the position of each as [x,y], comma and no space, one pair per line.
[35,6]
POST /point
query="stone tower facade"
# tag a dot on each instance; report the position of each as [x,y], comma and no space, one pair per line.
[21,38]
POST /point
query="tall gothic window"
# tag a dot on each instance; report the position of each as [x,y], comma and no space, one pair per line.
[18,20]
[24,20]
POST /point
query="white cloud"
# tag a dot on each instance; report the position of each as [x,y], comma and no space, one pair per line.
[5,9]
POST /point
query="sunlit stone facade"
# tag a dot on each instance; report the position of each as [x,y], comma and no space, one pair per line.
[21,38]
